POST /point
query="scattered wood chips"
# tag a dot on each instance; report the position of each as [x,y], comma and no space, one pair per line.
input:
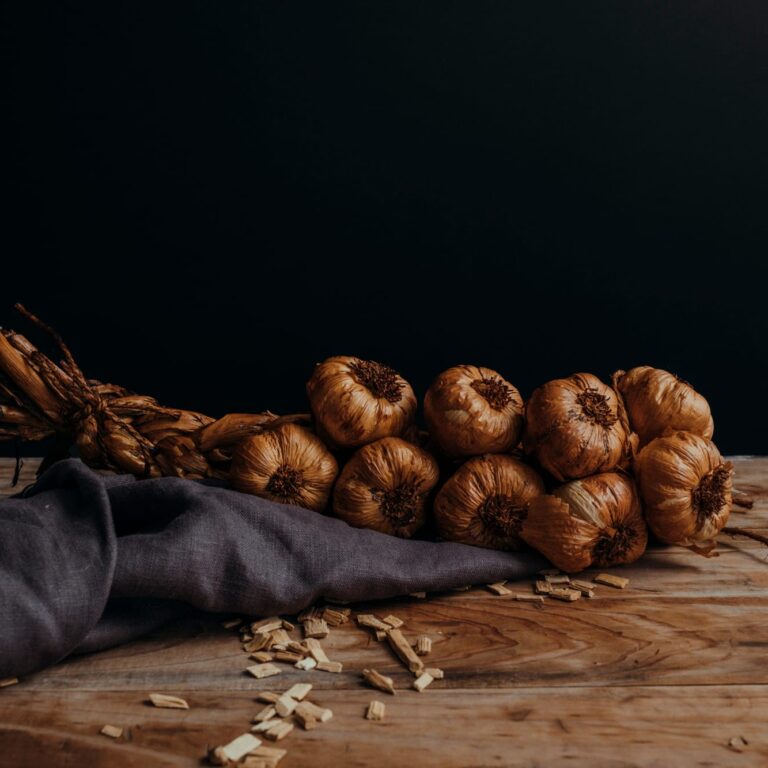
[376,710]
[619,582]
[167,702]
[112,731]
[377,680]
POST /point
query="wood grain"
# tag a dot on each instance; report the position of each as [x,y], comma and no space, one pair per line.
[662,673]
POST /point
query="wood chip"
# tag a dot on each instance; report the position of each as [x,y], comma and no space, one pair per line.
[376,710]
[369,620]
[586,588]
[560,578]
[321,714]
[418,595]
[565,594]
[315,628]
[737,743]
[316,650]
[112,731]
[542,587]
[238,748]
[422,681]
[231,623]
[264,757]
[435,672]
[266,625]
[285,705]
[280,637]
[498,588]
[6,681]
[288,657]
[619,582]
[297,647]
[535,599]
[306,664]
[330,666]
[305,720]
[403,649]
[246,637]
[266,725]
[335,617]
[287,626]
[268,713]
[262,656]
[377,680]
[263,670]
[279,731]
[381,634]
[423,645]
[393,621]
[167,702]
[267,697]
[310,613]
[260,641]
[299,691]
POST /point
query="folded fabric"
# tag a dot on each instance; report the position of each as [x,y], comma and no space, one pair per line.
[88,561]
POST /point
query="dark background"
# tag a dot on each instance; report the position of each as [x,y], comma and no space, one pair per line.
[209,198]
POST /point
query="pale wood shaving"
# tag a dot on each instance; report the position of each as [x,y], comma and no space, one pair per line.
[267,697]
[618,582]
[265,725]
[560,578]
[299,691]
[164,701]
[535,599]
[297,647]
[238,748]
[316,650]
[435,672]
[567,595]
[288,626]
[393,621]
[268,713]
[381,634]
[263,670]
[498,588]
[312,612]
[586,588]
[279,731]
[369,620]
[377,680]
[112,731]
[267,625]
[305,720]
[422,681]
[6,681]
[315,628]
[321,714]
[262,656]
[335,617]
[405,653]
[306,664]
[285,705]
[246,637]
[737,743]
[280,637]
[542,587]
[330,666]
[376,710]
[260,641]
[288,657]
[264,757]
[423,645]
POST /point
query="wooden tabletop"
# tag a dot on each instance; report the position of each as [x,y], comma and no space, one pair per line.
[666,672]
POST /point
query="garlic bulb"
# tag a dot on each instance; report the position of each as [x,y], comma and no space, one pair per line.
[686,489]
[357,401]
[287,464]
[573,427]
[485,502]
[471,411]
[593,521]
[658,402]
[384,487]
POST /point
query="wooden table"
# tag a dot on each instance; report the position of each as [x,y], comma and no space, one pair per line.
[663,673]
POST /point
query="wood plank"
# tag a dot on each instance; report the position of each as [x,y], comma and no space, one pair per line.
[640,726]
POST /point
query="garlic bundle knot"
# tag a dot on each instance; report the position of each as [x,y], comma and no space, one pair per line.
[709,496]
[286,482]
[596,407]
[495,390]
[502,517]
[399,505]
[381,380]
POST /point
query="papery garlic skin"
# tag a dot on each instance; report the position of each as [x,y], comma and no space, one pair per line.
[658,402]
[573,427]
[384,487]
[686,488]
[485,502]
[471,410]
[287,464]
[357,401]
[596,521]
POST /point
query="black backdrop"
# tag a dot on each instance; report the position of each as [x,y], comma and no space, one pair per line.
[208,198]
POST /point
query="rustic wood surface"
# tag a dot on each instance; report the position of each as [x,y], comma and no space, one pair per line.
[663,673]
